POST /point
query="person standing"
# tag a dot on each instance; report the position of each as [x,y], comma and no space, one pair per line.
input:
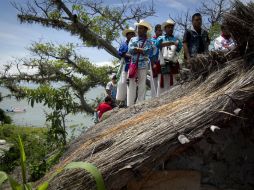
[169,46]
[196,40]
[155,64]
[224,42]
[140,48]
[111,88]
[125,62]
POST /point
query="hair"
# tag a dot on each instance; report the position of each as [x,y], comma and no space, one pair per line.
[158,26]
[196,15]
[223,26]
[108,99]
[114,77]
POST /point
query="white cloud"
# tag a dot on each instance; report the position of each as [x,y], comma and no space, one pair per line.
[24,69]
[176,4]
[133,2]
[245,1]
[104,63]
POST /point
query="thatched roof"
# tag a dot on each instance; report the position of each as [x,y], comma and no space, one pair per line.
[134,141]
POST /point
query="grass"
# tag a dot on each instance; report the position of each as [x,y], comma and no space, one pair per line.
[37,149]
[9,132]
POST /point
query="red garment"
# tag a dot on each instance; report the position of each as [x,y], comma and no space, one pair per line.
[173,70]
[103,107]
[156,68]
[155,37]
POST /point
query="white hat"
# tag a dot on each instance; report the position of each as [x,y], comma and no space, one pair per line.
[128,30]
[144,23]
[168,22]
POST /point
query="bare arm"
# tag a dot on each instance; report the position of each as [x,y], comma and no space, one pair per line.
[139,50]
[126,55]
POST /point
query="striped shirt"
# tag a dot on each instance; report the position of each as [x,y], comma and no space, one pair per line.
[136,42]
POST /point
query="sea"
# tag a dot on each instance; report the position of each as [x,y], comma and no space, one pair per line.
[36,116]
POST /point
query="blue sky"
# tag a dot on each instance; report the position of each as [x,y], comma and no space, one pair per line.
[16,37]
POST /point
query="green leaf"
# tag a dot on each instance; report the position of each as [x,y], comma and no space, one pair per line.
[22,159]
[91,169]
[28,186]
[3,177]
[43,186]
[14,184]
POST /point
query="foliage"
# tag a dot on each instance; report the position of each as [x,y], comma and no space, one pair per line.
[96,23]
[33,138]
[214,31]
[57,130]
[24,185]
[63,76]
[90,168]
[63,79]
[3,117]
[41,153]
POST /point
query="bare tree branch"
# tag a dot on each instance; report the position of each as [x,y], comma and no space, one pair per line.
[115,19]
[182,20]
[214,9]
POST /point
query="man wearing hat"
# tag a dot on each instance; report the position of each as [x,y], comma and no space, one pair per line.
[155,64]
[169,45]
[125,61]
[140,48]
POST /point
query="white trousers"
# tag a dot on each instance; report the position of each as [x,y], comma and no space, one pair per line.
[154,84]
[154,87]
[166,81]
[122,86]
[132,88]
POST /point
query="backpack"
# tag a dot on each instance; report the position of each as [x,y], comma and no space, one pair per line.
[168,54]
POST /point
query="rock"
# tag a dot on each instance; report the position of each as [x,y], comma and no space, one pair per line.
[2,142]
[5,148]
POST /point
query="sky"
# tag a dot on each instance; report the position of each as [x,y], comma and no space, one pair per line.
[16,37]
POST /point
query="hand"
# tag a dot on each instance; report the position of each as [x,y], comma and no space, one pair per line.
[226,46]
[127,55]
[139,50]
[176,43]
[154,66]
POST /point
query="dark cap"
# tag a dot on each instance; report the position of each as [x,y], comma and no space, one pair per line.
[114,77]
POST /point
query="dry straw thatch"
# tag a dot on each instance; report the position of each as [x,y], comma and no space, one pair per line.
[135,141]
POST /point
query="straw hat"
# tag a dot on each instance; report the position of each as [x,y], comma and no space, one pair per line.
[128,30]
[168,22]
[145,24]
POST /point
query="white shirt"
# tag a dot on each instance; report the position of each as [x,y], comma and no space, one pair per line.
[113,88]
[223,45]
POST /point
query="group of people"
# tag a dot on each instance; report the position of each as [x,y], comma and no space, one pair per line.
[160,53]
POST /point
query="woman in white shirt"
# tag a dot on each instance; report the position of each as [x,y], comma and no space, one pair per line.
[224,42]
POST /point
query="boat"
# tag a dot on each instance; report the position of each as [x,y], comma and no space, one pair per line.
[16,110]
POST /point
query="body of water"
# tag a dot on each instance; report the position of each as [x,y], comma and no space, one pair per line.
[36,117]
